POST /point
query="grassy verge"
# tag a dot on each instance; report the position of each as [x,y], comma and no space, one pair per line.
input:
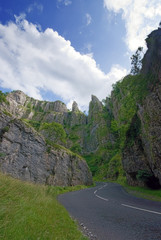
[146,193]
[142,192]
[31,212]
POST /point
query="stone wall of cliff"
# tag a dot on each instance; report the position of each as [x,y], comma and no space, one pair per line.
[85,135]
[24,154]
[136,108]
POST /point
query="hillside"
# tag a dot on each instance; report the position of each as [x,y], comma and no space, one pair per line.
[135,104]
[62,129]
[27,155]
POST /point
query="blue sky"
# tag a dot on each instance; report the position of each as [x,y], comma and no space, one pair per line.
[69,49]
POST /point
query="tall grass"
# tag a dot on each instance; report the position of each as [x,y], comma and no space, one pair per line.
[31,212]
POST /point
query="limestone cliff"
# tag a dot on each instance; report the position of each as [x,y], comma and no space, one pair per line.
[136,107]
[24,154]
[73,129]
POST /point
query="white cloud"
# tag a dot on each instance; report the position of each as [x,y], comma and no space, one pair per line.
[32,60]
[88,19]
[65,2]
[35,5]
[141,17]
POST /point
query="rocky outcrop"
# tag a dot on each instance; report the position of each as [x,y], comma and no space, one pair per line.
[151,130]
[134,158]
[97,132]
[22,106]
[25,155]
[152,58]
[84,134]
[75,107]
[145,153]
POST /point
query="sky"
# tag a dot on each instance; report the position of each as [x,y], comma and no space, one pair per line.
[69,50]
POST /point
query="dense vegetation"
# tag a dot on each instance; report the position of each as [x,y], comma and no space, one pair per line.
[127,95]
[53,131]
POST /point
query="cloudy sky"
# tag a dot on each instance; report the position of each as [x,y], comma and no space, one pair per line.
[69,49]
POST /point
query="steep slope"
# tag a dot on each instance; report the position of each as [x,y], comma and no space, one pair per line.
[85,135]
[24,154]
[149,111]
[136,108]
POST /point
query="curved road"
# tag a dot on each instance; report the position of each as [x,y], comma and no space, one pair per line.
[110,213]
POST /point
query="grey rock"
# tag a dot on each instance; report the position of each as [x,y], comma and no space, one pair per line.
[26,156]
[75,107]
[145,154]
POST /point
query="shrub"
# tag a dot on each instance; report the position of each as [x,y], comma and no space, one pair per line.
[76,148]
[54,131]
[143,175]
[3,97]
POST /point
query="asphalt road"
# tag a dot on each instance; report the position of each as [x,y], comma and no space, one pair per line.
[110,213]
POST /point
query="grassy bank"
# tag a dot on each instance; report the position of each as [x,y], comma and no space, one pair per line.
[146,193]
[31,212]
[143,192]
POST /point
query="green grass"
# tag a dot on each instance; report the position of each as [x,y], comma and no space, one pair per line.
[146,193]
[143,192]
[32,212]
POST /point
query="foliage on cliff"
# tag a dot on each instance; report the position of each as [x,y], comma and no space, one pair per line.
[53,131]
[129,93]
[3,97]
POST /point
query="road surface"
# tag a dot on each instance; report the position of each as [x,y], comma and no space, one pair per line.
[110,213]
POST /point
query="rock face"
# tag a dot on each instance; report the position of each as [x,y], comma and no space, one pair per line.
[25,155]
[22,106]
[97,127]
[75,107]
[152,58]
[84,134]
[134,158]
[145,154]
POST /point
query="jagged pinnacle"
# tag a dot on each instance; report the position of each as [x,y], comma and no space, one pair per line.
[75,107]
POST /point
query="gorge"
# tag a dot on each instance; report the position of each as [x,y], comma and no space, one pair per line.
[44,142]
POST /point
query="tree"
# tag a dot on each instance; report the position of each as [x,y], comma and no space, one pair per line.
[136,61]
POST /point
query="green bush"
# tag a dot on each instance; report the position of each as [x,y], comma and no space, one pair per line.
[2,154]
[54,131]
[73,137]
[3,97]
[76,148]
[143,175]
[115,167]
[35,124]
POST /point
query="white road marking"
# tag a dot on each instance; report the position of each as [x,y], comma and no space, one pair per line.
[125,205]
[105,199]
[141,209]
